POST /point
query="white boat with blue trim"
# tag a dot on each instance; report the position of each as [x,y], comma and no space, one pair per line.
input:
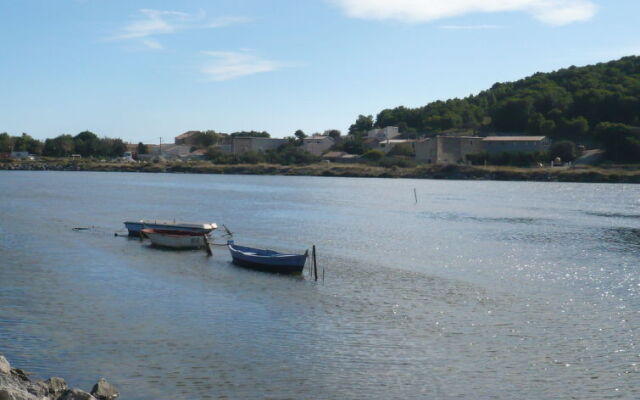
[135,227]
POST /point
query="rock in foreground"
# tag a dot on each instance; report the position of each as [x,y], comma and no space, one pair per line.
[16,385]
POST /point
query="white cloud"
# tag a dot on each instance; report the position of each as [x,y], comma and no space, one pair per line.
[152,44]
[228,65]
[553,12]
[161,22]
[469,27]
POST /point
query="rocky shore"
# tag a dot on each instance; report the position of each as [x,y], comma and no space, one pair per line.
[15,384]
[456,172]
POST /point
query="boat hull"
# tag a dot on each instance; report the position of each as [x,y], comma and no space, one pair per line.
[135,227]
[175,240]
[267,260]
[276,269]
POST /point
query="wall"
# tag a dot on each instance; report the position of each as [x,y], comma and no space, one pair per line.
[245,144]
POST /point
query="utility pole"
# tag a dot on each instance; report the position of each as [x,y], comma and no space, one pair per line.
[161,147]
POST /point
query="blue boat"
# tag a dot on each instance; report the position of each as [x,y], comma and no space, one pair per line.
[267,260]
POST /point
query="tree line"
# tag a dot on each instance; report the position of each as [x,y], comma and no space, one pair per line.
[86,143]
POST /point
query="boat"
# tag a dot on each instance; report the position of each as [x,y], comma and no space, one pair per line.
[134,227]
[267,260]
[175,239]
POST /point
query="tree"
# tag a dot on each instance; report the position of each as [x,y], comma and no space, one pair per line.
[354,146]
[26,143]
[621,142]
[290,153]
[86,143]
[5,143]
[373,155]
[205,139]
[142,148]
[299,134]
[333,133]
[564,149]
[512,115]
[575,129]
[362,125]
[60,146]
[116,148]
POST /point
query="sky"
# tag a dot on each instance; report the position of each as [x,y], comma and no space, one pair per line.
[145,70]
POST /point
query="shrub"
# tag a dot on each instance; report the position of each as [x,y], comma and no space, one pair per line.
[373,155]
[565,149]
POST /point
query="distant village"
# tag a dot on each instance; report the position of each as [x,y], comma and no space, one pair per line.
[451,148]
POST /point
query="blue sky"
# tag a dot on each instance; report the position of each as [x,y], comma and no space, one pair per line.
[140,70]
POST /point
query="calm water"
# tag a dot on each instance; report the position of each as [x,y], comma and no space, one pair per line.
[481,290]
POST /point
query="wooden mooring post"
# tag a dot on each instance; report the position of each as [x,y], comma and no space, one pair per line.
[207,246]
[315,264]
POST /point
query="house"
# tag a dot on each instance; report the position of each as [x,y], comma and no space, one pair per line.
[317,145]
[386,133]
[22,155]
[447,149]
[386,145]
[186,138]
[516,144]
[244,144]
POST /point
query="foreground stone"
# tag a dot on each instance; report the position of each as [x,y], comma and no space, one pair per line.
[15,384]
[5,367]
[77,394]
[103,390]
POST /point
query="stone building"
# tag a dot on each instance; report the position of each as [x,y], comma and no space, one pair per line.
[447,149]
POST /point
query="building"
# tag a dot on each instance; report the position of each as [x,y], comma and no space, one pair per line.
[226,148]
[516,144]
[186,138]
[447,149]
[22,155]
[317,145]
[386,133]
[386,145]
[243,144]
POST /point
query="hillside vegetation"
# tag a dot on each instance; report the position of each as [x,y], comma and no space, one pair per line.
[582,104]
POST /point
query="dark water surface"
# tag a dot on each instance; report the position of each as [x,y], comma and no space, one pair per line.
[481,290]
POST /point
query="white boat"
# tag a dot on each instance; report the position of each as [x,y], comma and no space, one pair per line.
[176,239]
[134,227]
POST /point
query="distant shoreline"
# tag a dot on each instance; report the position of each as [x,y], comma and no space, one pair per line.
[453,172]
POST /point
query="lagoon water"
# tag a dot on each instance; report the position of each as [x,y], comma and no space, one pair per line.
[504,290]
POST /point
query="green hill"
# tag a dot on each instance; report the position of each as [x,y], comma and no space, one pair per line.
[576,103]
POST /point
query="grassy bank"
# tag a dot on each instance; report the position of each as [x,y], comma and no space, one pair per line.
[611,174]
